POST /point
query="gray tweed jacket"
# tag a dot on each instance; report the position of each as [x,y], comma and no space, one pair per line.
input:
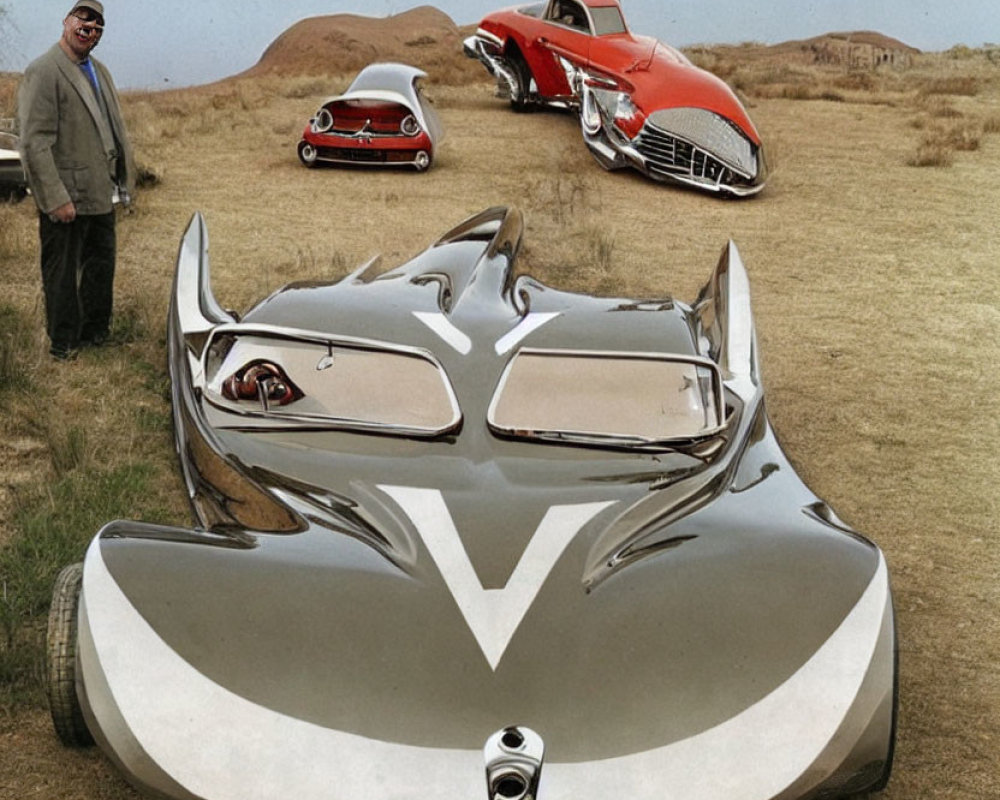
[70,149]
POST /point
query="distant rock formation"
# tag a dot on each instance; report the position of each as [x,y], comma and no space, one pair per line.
[854,50]
[859,50]
[344,43]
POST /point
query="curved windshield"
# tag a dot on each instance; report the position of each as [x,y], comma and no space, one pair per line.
[620,398]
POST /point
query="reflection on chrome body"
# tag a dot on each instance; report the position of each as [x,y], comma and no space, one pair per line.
[488,49]
[361,603]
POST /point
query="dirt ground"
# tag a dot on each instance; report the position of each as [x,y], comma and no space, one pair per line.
[877,296]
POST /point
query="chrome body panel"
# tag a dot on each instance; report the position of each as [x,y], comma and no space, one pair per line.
[394,615]
[397,83]
[489,50]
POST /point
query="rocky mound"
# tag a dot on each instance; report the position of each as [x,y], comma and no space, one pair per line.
[344,43]
[854,49]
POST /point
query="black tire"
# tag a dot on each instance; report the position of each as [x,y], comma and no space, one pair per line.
[60,660]
[422,161]
[519,100]
[12,194]
[307,154]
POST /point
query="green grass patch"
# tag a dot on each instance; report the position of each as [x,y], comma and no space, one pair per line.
[52,527]
[15,342]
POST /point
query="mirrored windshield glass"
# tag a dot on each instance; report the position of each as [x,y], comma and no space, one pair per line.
[628,398]
[334,384]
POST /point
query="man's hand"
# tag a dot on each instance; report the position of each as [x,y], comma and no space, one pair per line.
[65,213]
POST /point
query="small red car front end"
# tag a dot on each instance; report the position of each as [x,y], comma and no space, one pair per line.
[382,120]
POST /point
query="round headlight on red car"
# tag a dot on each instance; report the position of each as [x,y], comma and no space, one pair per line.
[409,125]
[323,121]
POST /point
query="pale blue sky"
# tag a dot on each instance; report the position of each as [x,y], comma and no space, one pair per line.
[185,42]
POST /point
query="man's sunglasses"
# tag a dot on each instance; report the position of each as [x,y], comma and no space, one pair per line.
[86,15]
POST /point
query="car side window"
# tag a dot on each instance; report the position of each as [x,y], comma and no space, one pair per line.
[571,14]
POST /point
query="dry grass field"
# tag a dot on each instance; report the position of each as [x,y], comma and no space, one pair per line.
[874,263]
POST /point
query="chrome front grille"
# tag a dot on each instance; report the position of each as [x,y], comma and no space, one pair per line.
[697,145]
[676,158]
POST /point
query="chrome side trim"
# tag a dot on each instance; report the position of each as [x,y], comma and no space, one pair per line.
[725,319]
[195,305]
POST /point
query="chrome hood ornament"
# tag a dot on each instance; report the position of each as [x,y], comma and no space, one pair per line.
[514,757]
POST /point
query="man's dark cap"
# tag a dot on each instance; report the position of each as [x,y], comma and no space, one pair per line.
[93,5]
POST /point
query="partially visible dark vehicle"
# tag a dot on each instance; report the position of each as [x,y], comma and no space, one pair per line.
[13,182]
[642,103]
[383,119]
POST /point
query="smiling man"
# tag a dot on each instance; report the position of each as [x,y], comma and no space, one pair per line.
[78,162]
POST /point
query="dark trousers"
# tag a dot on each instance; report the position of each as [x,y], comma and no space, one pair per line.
[78,275]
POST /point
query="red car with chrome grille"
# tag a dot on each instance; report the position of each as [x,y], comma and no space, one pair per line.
[642,103]
[383,119]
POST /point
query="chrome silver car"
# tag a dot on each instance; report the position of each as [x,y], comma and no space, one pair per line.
[460,534]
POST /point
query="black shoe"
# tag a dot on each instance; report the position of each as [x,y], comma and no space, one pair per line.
[63,353]
[97,340]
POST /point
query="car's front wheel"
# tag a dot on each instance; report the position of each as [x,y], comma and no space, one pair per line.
[422,161]
[60,661]
[519,94]
[307,154]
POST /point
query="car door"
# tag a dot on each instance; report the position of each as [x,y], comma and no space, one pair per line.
[563,34]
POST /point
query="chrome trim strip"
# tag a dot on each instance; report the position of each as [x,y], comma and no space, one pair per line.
[476,47]
[315,337]
[196,306]
[361,163]
[492,38]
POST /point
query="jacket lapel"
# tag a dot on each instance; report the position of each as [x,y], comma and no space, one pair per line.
[82,86]
[109,98]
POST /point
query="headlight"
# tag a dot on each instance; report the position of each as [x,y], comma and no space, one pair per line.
[323,121]
[409,125]
[625,109]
